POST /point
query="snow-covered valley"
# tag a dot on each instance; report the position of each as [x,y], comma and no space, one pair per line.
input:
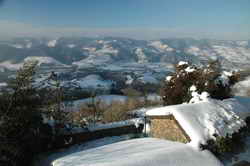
[113,70]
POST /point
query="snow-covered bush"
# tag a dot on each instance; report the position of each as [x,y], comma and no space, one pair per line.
[190,84]
[225,146]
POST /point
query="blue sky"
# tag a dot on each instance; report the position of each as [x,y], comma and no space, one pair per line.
[140,18]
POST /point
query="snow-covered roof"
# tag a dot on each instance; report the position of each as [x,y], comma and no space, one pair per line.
[202,120]
[140,152]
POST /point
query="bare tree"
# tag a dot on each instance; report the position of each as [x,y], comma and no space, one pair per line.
[56,109]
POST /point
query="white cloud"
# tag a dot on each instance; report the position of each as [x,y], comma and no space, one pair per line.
[11,29]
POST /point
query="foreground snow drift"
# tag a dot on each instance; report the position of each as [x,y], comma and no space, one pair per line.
[202,120]
[140,152]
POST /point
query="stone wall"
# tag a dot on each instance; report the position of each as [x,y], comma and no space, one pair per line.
[166,127]
[79,138]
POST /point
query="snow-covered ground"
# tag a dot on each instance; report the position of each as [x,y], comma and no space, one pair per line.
[231,57]
[235,55]
[93,61]
[140,152]
[93,82]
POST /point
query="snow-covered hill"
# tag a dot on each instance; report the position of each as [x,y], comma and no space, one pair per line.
[79,51]
[44,61]
[10,66]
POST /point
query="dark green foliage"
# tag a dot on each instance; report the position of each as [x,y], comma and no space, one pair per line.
[206,79]
[20,107]
[22,132]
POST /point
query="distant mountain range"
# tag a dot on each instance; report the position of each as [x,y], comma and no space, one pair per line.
[81,52]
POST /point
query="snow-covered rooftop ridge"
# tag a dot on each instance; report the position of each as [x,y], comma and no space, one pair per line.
[202,120]
[140,152]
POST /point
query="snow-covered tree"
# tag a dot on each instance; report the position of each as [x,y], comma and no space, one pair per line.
[190,84]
